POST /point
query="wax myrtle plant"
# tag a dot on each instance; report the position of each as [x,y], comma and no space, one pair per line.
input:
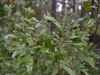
[28,47]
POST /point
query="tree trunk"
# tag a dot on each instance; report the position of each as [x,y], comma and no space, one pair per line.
[63,5]
[53,14]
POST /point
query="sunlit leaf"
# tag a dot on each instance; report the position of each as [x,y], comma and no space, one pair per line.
[73,37]
[29,68]
[15,54]
[91,22]
[11,36]
[43,31]
[37,25]
[35,19]
[30,41]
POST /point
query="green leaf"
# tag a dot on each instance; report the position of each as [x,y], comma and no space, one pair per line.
[47,41]
[87,6]
[40,40]
[29,68]
[35,19]
[85,71]
[19,61]
[1,58]
[90,61]
[36,72]
[28,20]
[94,55]
[43,31]
[48,14]
[15,54]
[11,36]
[58,26]
[30,41]
[55,69]
[8,7]
[91,22]
[37,25]
[63,62]
[29,10]
[69,70]
[48,17]
[43,50]
[73,37]
[29,61]
[8,40]
[91,47]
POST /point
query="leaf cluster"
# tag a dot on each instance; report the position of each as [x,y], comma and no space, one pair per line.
[28,47]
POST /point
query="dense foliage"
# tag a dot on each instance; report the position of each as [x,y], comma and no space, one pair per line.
[28,47]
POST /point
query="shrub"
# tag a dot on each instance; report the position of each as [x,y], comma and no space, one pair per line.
[29,48]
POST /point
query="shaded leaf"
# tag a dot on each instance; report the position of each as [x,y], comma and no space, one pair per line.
[19,61]
[48,17]
[85,71]
[69,70]
[90,61]
[55,69]
[87,6]
[29,61]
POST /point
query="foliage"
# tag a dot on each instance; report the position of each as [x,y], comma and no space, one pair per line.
[27,47]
